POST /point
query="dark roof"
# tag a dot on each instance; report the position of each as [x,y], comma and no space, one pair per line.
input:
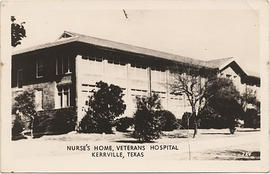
[217,63]
[69,37]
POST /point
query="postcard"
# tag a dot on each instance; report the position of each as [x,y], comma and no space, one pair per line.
[135,86]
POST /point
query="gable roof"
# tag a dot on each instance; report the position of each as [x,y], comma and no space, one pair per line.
[220,63]
[69,37]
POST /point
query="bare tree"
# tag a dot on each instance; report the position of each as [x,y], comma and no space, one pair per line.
[192,82]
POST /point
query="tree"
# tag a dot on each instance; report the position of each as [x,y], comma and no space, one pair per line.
[167,119]
[225,99]
[104,106]
[249,97]
[251,106]
[147,123]
[24,105]
[17,32]
[192,82]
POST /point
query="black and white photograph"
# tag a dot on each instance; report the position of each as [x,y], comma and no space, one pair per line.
[135,86]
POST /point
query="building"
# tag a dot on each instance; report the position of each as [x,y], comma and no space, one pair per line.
[228,68]
[63,73]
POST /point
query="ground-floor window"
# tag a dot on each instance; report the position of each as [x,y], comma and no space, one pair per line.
[63,97]
[38,99]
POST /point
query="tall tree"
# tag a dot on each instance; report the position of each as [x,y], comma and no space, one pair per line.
[225,99]
[192,82]
[17,32]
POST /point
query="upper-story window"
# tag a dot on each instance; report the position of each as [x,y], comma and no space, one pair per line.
[138,71]
[115,68]
[63,65]
[228,75]
[39,67]
[158,74]
[19,78]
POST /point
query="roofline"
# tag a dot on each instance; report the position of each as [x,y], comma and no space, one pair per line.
[46,45]
[241,70]
[116,46]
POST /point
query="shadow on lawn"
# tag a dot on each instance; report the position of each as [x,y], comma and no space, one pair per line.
[249,130]
[216,133]
[133,141]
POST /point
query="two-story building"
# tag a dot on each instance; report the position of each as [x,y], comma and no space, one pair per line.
[63,73]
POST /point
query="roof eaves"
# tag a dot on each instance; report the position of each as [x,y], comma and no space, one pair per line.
[46,45]
[140,50]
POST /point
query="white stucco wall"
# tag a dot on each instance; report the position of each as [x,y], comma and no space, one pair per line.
[133,79]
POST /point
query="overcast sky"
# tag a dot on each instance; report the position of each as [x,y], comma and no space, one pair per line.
[196,33]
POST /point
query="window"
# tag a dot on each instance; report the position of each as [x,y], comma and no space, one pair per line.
[116,69]
[63,65]
[38,99]
[63,97]
[138,72]
[19,78]
[39,67]
[228,75]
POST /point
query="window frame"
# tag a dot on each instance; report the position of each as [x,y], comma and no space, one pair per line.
[18,81]
[63,58]
[39,63]
[64,94]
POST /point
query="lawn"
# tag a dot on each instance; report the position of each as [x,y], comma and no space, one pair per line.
[210,144]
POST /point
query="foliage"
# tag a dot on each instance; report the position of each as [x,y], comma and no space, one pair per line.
[192,82]
[187,121]
[151,103]
[224,98]
[252,119]
[17,127]
[249,97]
[25,105]
[88,124]
[17,32]
[147,123]
[64,120]
[210,119]
[55,122]
[104,106]
[122,124]
[167,119]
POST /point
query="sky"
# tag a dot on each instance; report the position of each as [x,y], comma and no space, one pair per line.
[197,33]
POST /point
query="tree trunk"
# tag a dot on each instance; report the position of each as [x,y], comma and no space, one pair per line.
[195,128]
[194,122]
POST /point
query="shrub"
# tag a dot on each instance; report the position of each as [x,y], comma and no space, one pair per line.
[210,119]
[167,119]
[251,118]
[104,106]
[187,121]
[64,121]
[17,127]
[122,124]
[54,122]
[88,124]
[24,104]
[147,123]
